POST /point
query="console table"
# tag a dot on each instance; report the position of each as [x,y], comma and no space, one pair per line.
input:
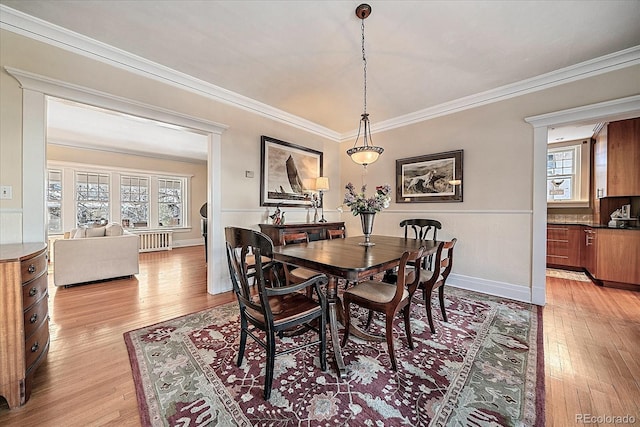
[315,230]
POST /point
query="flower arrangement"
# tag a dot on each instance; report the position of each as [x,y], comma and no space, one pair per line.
[358,202]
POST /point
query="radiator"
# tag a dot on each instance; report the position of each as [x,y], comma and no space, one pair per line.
[155,240]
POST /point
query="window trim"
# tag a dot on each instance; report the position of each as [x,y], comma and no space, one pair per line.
[115,173]
[61,201]
[582,173]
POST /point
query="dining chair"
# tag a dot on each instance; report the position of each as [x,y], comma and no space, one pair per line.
[297,274]
[421,228]
[336,234]
[389,299]
[435,278]
[267,306]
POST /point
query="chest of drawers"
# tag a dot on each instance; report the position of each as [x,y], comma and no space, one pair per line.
[24,318]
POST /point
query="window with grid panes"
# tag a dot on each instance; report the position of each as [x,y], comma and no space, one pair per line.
[563,173]
[170,202]
[92,197]
[134,201]
[54,200]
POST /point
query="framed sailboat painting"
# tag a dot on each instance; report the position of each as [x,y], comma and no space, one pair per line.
[288,173]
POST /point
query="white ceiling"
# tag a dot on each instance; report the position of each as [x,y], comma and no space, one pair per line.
[304,57]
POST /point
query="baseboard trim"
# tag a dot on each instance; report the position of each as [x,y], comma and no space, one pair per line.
[188,242]
[491,287]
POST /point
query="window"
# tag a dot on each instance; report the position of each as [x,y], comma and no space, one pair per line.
[568,173]
[170,200]
[134,201]
[54,200]
[83,195]
[92,197]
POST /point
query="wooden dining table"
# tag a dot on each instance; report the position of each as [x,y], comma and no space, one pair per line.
[348,259]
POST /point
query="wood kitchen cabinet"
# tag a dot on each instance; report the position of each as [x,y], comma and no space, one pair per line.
[564,245]
[618,256]
[616,159]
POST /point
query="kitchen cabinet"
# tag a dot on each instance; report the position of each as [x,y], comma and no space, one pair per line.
[618,256]
[616,159]
[623,158]
[564,245]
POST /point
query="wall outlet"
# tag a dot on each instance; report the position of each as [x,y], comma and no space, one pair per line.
[248,174]
[6,192]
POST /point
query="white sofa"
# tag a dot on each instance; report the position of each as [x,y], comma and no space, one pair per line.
[78,259]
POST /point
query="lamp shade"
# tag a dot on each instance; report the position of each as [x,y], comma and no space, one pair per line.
[365,155]
[322,183]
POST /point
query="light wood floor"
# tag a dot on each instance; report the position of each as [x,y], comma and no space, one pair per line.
[591,334]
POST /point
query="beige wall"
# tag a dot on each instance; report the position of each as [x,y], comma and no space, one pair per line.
[493,223]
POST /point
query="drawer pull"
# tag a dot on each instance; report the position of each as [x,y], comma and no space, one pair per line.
[35,347]
[31,269]
[33,318]
[33,291]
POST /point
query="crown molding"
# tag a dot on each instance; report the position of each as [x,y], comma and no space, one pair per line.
[37,29]
[593,67]
[617,109]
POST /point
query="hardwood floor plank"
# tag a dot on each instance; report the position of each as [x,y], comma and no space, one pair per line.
[591,340]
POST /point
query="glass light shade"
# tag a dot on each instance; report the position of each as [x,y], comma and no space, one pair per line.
[365,155]
[322,183]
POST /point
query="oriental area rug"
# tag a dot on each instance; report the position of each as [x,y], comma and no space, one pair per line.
[482,367]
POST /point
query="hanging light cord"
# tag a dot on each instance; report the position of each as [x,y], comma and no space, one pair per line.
[364,66]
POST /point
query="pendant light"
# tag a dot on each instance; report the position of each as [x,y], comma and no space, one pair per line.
[365,154]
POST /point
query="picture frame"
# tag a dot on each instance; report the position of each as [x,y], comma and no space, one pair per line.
[288,173]
[430,178]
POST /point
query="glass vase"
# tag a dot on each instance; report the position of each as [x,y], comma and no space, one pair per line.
[366,220]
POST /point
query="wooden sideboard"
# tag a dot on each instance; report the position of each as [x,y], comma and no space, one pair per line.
[24,322]
[315,230]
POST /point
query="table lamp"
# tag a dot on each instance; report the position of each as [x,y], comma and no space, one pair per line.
[322,185]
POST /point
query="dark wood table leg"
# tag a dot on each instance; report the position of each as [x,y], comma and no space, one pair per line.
[334,306]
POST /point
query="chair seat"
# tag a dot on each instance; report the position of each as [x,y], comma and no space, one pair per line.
[287,308]
[426,275]
[303,273]
[251,260]
[379,292]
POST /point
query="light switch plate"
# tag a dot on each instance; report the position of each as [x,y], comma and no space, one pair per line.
[6,192]
[248,174]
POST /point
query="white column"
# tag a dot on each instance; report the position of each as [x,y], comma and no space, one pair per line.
[539,219]
[34,167]
[217,271]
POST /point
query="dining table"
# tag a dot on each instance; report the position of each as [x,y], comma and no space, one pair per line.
[352,261]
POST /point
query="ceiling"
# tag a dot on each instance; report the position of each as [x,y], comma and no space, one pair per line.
[304,58]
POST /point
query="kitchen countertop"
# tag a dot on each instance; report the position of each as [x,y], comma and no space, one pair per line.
[588,224]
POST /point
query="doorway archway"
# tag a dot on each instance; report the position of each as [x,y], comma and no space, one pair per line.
[618,109]
[35,89]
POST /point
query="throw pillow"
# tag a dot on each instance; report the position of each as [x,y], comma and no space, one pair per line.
[96,232]
[80,233]
[114,229]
